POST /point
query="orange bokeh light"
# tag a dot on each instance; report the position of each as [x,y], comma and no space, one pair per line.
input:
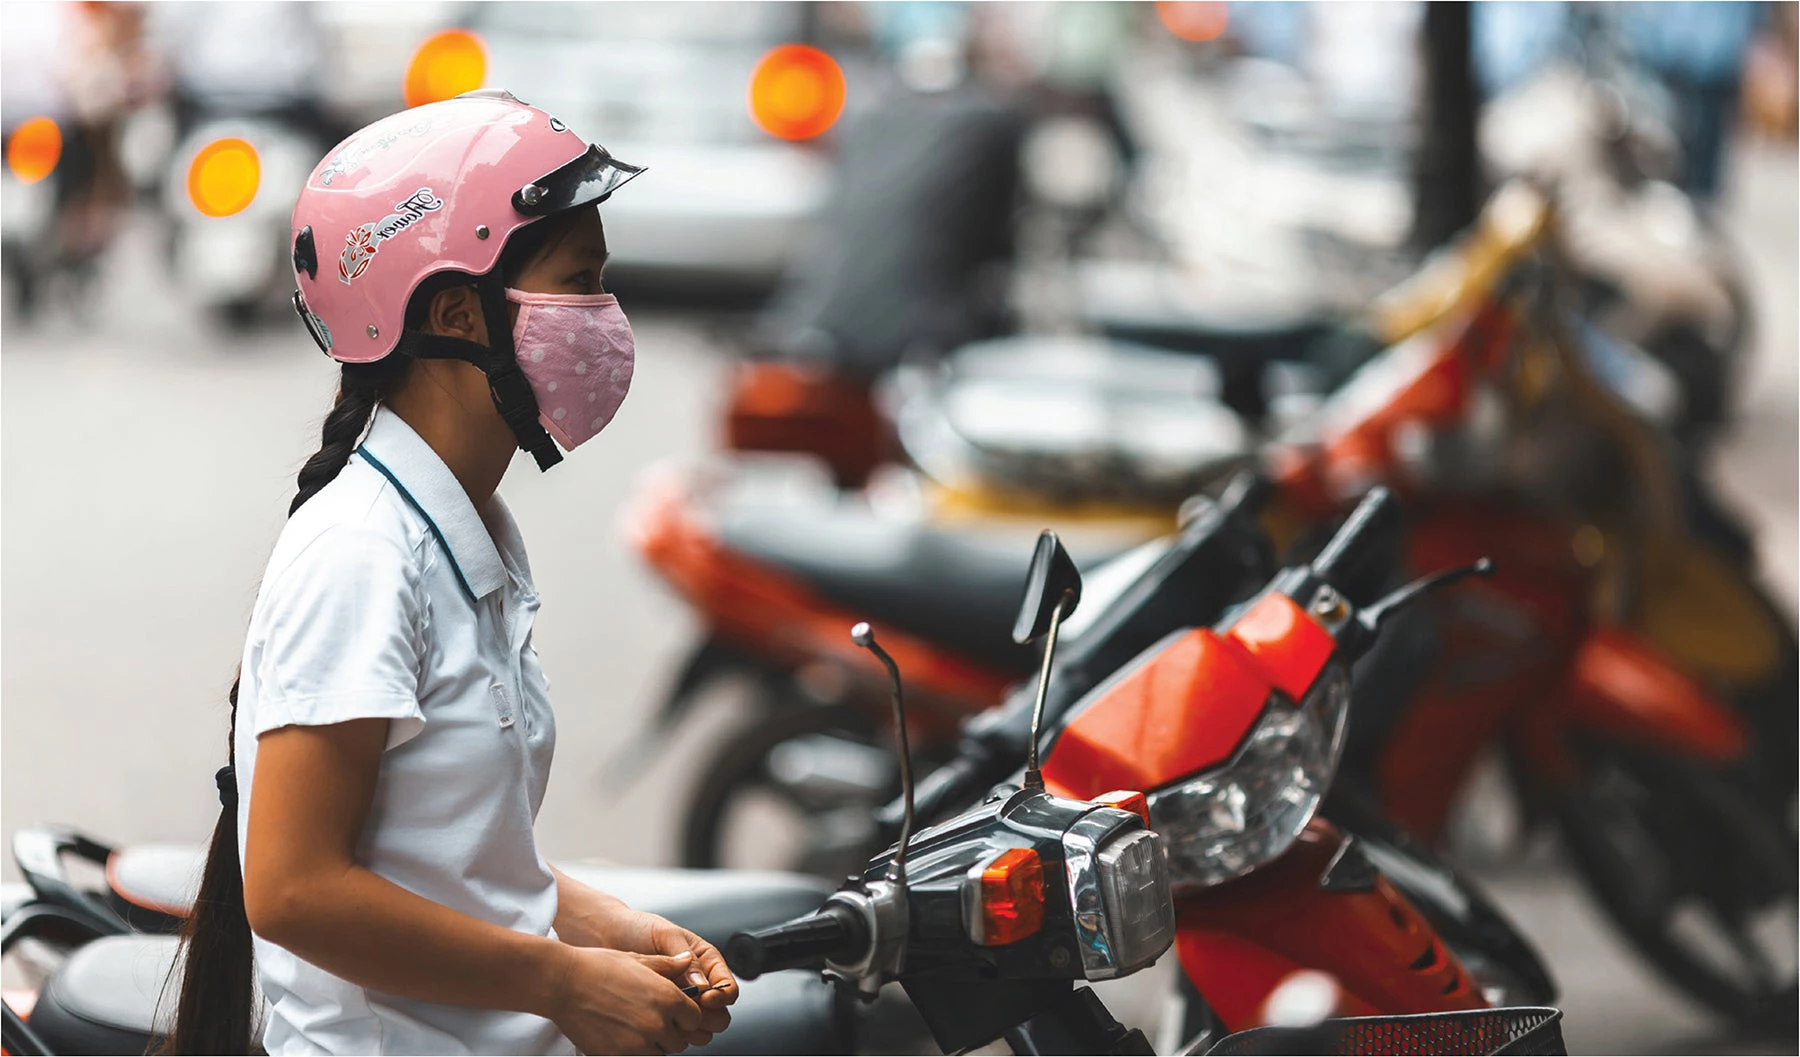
[1194,20]
[223,177]
[797,92]
[446,65]
[34,150]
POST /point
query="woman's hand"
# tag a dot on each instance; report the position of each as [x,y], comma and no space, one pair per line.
[652,935]
[610,1001]
[589,918]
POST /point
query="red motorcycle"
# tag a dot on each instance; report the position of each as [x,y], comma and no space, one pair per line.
[1637,679]
[1235,734]
[987,917]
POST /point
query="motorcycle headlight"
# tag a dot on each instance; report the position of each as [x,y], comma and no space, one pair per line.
[1230,820]
[1119,889]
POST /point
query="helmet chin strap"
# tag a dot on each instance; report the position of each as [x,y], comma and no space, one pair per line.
[497,360]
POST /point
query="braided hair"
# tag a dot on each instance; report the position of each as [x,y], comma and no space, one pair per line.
[216,1011]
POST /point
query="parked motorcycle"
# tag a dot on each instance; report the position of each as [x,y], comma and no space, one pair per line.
[1237,754]
[1639,680]
[1033,889]
[824,761]
[237,266]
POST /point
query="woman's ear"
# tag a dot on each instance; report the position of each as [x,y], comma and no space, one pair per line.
[456,313]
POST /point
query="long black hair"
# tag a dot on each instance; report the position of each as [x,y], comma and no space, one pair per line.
[217,1009]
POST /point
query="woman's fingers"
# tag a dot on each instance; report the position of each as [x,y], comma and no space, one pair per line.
[715,1020]
[672,966]
[708,960]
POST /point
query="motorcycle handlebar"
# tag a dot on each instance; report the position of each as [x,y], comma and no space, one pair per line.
[834,933]
[1361,536]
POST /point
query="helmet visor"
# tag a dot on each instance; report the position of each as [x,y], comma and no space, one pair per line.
[584,181]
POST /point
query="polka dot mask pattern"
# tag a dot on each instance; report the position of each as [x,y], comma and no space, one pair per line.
[576,351]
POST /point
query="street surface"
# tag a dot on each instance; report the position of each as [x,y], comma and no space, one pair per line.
[146,462]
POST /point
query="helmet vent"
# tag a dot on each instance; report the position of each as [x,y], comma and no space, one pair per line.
[306,255]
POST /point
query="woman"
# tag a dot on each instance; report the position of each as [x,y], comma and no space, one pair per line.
[391,732]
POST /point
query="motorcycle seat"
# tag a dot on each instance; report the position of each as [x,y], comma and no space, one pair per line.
[954,590]
[160,878]
[1157,305]
[110,997]
[714,904]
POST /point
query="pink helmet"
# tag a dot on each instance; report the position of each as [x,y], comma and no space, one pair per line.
[438,188]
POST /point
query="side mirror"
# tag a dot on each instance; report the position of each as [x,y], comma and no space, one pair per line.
[1052,581]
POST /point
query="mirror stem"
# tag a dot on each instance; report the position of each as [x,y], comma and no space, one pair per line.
[864,636]
[1034,778]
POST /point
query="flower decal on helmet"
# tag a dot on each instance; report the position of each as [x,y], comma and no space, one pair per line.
[361,244]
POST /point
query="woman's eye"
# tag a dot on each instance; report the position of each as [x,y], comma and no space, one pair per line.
[586,279]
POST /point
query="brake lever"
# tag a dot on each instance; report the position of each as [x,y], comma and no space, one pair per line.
[1358,634]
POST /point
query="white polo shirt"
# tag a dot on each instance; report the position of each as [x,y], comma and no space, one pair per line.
[389,595]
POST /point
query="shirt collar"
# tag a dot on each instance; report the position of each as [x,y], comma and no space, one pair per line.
[403,457]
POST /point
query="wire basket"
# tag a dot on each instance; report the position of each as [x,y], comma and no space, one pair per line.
[1525,1030]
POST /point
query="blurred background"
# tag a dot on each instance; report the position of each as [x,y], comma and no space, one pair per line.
[839,197]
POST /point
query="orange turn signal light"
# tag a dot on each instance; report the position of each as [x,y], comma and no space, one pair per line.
[223,177]
[34,149]
[1012,897]
[1195,20]
[446,64]
[1127,800]
[797,92]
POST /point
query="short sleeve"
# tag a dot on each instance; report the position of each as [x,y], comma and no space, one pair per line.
[341,636]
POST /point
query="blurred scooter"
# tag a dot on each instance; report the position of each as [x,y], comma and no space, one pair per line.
[250,72]
[910,262]
[236,266]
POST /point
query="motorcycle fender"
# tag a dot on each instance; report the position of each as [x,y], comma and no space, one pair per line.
[1624,688]
[1238,941]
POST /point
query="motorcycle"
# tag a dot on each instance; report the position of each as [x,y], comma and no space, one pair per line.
[1235,736]
[1639,681]
[237,266]
[1010,902]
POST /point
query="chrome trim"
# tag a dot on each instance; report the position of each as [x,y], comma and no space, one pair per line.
[882,906]
[1087,907]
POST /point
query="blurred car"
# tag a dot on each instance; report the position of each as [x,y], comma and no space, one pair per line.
[666,86]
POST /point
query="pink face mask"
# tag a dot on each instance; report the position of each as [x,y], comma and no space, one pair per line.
[577,353]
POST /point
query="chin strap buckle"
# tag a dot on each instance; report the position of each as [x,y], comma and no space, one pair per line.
[517,405]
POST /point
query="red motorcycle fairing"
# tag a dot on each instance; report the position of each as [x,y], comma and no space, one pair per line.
[1185,705]
[1521,659]
[785,407]
[774,615]
[1624,688]
[1504,642]
[1237,941]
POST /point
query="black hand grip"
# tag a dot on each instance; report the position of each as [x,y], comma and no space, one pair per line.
[834,932]
[1363,534]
